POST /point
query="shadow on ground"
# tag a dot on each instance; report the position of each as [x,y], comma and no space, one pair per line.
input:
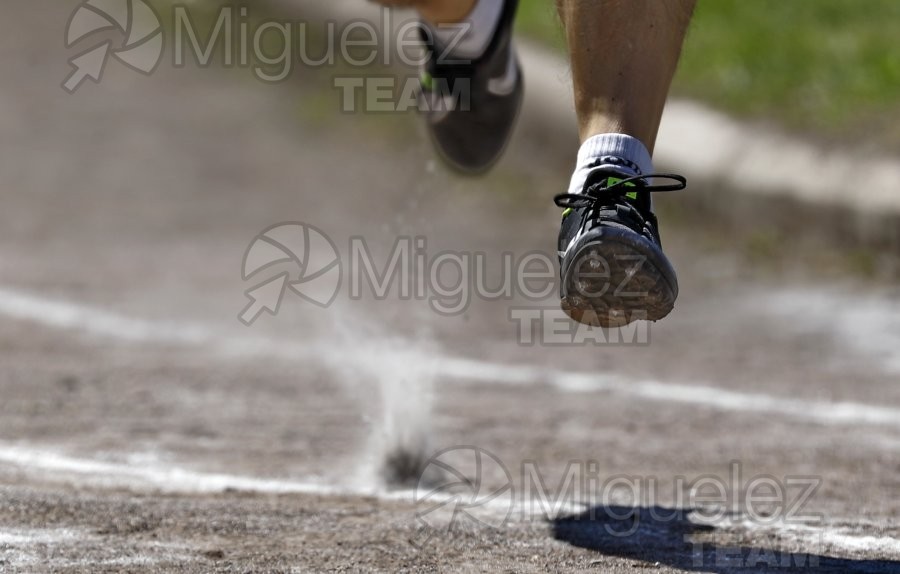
[667,536]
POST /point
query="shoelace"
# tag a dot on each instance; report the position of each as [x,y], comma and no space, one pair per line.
[598,196]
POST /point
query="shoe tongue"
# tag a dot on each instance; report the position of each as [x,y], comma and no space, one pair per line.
[607,177]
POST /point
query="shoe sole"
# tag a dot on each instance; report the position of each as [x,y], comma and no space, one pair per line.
[616,278]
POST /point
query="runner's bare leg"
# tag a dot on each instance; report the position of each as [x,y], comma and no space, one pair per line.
[624,54]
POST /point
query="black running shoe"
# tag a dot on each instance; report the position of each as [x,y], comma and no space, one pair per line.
[612,268]
[471,106]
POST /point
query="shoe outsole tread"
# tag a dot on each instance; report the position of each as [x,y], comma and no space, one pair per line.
[614,280]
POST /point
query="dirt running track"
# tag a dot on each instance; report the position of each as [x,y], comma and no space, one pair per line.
[144,428]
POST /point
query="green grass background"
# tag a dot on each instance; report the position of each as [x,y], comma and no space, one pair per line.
[830,67]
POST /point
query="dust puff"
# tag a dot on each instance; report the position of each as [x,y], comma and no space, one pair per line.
[406,434]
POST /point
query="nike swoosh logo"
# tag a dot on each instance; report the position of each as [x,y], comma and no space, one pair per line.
[506,84]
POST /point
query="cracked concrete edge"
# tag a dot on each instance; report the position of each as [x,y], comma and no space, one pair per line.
[733,162]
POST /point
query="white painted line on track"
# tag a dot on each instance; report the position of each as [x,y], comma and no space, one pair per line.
[837,537]
[36,549]
[54,466]
[65,315]
[378,360]
[166,479]
[20,537]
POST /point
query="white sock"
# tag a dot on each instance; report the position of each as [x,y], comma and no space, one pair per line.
[619,152]
[476,30]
